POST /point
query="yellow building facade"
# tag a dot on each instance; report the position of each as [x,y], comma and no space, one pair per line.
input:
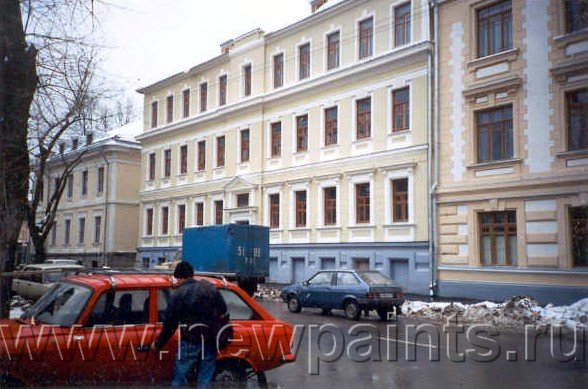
[513,149]
[319,130]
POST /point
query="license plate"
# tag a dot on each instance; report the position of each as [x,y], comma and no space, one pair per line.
[386,295]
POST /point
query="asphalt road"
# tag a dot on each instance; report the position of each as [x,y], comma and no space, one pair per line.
[333,352]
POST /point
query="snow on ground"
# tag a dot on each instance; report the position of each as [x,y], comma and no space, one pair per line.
[18,306]
[514,312]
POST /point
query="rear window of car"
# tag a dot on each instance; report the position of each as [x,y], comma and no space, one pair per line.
[374,278]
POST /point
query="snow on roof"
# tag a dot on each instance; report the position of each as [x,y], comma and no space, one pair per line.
[329,4]
[128,132]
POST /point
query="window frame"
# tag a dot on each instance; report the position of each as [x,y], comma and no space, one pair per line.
[181,218]
[81,229]
[167,159]
[333,50]
[487,22]
[199,213]
[222,90]
[367,37]
[164,225]
[149,221]
[583,128]
[203,88]
[300,209]
[274,210]
[405,22]
[184,159]
[304,60]
[186,103]
[220,151]
[218,211]
[363,118]
[572,220]
[400,198]
[301,133]
[201,163]
[329,206]
[330,127]
[506,234]
[97,229]
[247,78]
[488,128]
[276,139]
[245,144]
[278,71]
[403,107]
[154,114]
[362,203]
[169,104]
[151,166]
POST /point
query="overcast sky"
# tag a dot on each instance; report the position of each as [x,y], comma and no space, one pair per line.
[148,40]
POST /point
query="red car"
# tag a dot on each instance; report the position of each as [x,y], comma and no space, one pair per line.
[97,329]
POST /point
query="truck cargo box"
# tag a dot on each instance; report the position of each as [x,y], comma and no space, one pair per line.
[239,249]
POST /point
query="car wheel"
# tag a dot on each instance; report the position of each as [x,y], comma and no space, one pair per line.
[294,304]
[230,375]
[398,309]
[352,311]
[384,314]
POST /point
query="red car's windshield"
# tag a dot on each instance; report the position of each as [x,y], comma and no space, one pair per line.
[61,305]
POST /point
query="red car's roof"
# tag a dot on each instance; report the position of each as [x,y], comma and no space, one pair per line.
[136,280]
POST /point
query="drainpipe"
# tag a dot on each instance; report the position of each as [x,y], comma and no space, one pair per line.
[106,174]
[433,155]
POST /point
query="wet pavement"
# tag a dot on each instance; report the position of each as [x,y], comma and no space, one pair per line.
[333,352]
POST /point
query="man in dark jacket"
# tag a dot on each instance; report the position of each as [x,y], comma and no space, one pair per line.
[197,307]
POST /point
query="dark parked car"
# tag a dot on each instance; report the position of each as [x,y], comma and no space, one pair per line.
[353,291]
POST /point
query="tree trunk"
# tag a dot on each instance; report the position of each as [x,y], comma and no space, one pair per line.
[18,82]
[40,250]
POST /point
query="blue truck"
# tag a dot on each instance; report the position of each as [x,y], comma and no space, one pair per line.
[240,252]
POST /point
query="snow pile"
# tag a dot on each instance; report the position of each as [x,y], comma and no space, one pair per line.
[268,292]
[18,306]
[514,312]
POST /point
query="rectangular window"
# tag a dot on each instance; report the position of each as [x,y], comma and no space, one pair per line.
[66,232]
[364,118]
[222,90]
[247,80]
[74,143]
[278,70]
[402,24]
[362,203]
[220,151]
[100,181]
[89,138]
[366,38]
[495,134]
[186,103]
[302,133]
[170,108]
[400,200]
[164,220]
[54,234]
[333,50]
[201,155]
[151,166]
[181,218]
[300,197]
[97,228]
[274,210]
[330,206]
[82,230]
[218,212]
[243,200]
[577,104]
[245,145]
[579,232]
[183,159]
[199,214]
[149,226]
[84,182]
[70,182]
[154,114]
[494,28]
[276,139]
[331,126]
[304,61]
[498,238]
[167,163]
[203,97]
[576,15]
[400,110]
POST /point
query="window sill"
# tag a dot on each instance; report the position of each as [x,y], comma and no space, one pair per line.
[571,37]
[300,229]
[362,141]
[301,153]
[182,175]
[494,164]
[366,225]
[489,60]
[393,133]
[276,229]
[219,168]
[274,159]
[399,224]
[571,154]
[333,227]
[334,146]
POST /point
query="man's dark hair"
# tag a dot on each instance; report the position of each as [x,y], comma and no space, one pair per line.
[184,270]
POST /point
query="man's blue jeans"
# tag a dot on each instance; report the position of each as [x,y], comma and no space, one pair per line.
[189,355]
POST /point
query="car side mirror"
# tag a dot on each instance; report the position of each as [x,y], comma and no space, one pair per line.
[305,283]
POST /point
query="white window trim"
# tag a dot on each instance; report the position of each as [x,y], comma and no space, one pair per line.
[269,138]
[390,91]
[214,199]
[276,53]
[293,189]
[160,219]
[365,15]
[322,126]
[199,200]
[145,225]
[360,178]
[393,7]
[393,175]
[332,30]
[242,81]
[354,117]
[218,104]
[270,191]
[177,216]
[321,185]
[304,41]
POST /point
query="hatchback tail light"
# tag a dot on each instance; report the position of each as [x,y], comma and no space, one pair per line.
[372,295]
